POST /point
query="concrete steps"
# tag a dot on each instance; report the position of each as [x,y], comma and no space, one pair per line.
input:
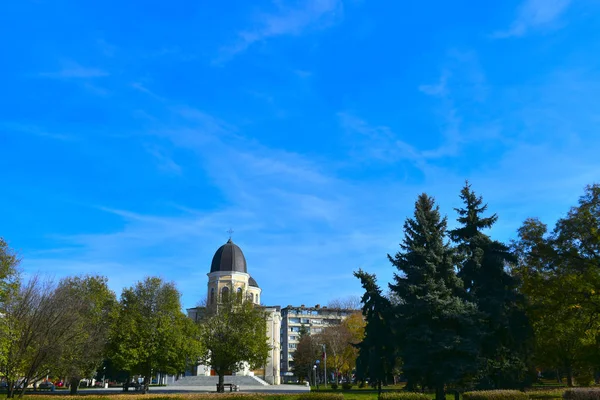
[211,381]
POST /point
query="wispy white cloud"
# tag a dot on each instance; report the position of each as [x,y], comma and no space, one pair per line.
[286,21]
[164,162]
[439,89]
[72,70]
[34,130]
[533,15]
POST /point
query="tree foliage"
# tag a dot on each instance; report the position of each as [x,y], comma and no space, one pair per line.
[377,350]
[306,353]
[151,333]
[37,330]
[9,286]
[93,305]
[233,334]
[483,268]
[437,328]
[560,271]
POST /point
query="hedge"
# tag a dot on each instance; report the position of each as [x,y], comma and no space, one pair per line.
[318,396]
[404,396]
[495,395]
[546,394]
[582,394]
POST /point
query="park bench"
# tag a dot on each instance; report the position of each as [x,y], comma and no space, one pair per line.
[232,387]
[134,385]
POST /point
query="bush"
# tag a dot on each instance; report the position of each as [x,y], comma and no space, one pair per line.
[546,394]
[334,385]
[404,396]
[346,386]
[361,384]
[582,394]
[320,396]
[495,395]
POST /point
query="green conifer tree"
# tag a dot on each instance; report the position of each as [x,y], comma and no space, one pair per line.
[376,352]
[436,326]
[483,268]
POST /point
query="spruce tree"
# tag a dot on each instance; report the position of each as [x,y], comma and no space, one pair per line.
[376,352]
[483,270]
[436,325]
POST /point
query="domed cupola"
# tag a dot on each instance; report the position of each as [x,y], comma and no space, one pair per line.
[229,258]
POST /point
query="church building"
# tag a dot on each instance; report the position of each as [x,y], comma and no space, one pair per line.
[228,271]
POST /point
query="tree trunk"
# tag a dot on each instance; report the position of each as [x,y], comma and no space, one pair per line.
[25,383]
[147,378]
[74,385]
[569,375]
[126,384]
[439,392]
[10,393]
[379,388]
[221,388]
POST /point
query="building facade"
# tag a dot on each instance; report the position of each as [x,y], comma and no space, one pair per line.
[229,272]
[313,320]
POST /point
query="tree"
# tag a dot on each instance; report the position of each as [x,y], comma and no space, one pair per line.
[337,339]
[37,329]
[9,286]
[355,324]
[560,271]
[506,334]
[93,304]
[345,303]
[234,333]
[437,327]
[377,351]
[151,333]
[307,351]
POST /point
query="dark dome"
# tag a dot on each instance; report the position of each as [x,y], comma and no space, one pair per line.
[229,258]
[252,282]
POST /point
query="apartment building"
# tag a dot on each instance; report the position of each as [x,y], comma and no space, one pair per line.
[314,320]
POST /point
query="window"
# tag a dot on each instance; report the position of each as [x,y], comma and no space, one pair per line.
[292,345]
[314,312]
[293,337]
[304,321]
[239,290]
[212,296]
[294,320]
[224,293]
[317,330]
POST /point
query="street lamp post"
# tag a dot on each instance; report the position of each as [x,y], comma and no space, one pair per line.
[325,364]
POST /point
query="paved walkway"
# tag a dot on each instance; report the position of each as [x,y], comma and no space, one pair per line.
[272,389]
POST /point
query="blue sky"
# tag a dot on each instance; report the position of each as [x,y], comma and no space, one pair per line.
[134,134]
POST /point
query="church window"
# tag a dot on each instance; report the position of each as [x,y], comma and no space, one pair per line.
[212,296]
[224,293]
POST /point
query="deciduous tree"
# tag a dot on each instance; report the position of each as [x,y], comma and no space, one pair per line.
[94,305]
[151,333]
[560,271]
[234,333]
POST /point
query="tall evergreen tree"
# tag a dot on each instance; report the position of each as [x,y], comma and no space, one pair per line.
[483,268]
[437,326]
[377,351]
